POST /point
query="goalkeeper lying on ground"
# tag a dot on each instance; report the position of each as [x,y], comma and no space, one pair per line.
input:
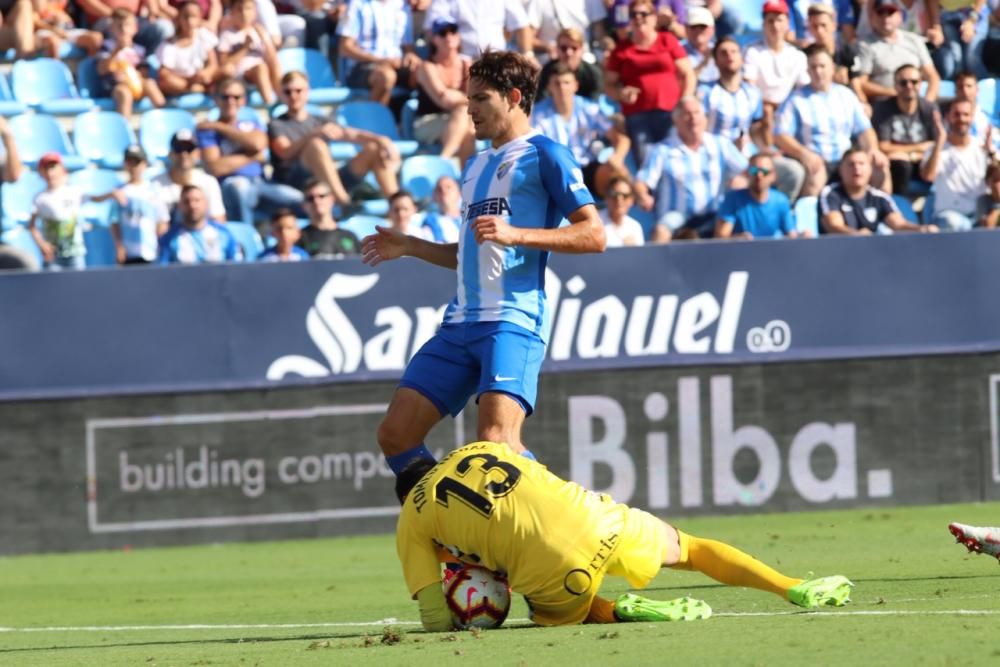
[555,541]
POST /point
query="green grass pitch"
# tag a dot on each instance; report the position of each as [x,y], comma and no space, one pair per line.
[920,599]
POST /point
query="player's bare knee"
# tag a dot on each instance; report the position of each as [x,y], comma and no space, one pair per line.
[393,438]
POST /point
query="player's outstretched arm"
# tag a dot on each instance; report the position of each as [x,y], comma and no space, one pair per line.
[388,243]
[585,234]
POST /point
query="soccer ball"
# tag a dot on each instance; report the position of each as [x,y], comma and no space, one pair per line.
[477,597]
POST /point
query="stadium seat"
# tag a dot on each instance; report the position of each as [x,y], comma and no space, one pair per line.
[645,218]
[377,207]
[407,116]
[95,182]
[748,37]
[323,88]
[102,137]
[157,126]
[314,109]
[362,225]
[946,90]
[18,199]
[248,239]
[21,239]
[89,83]
[748,12]
[8,105]
[906,208]
[100,247]
[420,173]
[38,134]
[807,216]
[987,97]
[374,117]
[47,85]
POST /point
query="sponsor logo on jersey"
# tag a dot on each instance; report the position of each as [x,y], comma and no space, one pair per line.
[491,206]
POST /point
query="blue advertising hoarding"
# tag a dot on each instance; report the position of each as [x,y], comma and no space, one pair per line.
[166,329]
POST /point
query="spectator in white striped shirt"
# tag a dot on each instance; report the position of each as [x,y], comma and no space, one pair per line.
[689,174]
[377,35]
[735,110]
[580,125]
[817,124]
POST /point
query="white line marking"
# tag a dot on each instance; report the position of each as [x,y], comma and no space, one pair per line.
[393,621]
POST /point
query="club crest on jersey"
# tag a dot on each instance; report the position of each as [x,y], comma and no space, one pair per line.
[491,206]
[504,168]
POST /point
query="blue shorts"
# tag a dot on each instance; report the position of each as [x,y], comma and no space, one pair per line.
[474,358]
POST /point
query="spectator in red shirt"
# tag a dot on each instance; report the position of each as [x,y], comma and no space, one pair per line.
[647,74]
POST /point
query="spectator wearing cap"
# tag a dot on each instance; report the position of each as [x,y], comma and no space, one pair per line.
[774,65]
[300,149]
[647,74]
[822,22]
[196,239]
[142,218]
[685,177]
[905,128]
[54,222]
[570,47]
[483,24]
[442,115]
[581,126]
[758,211]
[376,39]
[233,149]
[188,62]
[880,55]
[818,122]
[698,44]
[182,170]
[550,18]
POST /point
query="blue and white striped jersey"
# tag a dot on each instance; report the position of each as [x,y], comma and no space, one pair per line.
[824,123]
[586,124]
[688,181]
[730,114]
[211,243]
[535,183]
[380,28]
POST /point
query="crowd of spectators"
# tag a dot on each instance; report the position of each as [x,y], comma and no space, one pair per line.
[677,115]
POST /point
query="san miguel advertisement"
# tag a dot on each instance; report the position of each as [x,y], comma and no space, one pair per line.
[149,330]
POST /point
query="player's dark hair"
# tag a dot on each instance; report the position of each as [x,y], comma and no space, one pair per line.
[410,475]
[503,71]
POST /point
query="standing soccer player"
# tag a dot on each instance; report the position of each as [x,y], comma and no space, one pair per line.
[492,341]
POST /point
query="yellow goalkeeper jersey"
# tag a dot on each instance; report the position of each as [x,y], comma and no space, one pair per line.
[491,507]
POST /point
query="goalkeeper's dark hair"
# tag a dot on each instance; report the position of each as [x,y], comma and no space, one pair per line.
[410,475]
[504,71]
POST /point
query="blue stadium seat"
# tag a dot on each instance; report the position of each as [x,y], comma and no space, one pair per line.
[906,208]
[157,126]
[420,173]
[314,109]
[247,238]
[748,12]
[362,225]
[645,218]
[608,106]
[18,199]
[323,88]
[47,85]
[102,137]
[807,216]
[376,207]
[100,247]
[374,117]
[89,83]
[8,105]
[946,89]
[748,37]
[21,239]
[406,118]
[38,134]
[97,182]
[987,97]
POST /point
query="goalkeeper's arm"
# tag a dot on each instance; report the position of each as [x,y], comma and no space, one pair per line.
[434,613]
